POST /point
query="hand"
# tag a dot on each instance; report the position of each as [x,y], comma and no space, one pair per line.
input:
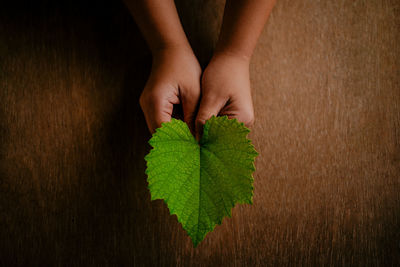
[226,90]
[176,73]
[174,79]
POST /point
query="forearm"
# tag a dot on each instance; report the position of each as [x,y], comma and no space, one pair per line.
[242,25]
[159,23]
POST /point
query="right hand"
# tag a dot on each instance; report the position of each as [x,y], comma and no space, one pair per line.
[174,79]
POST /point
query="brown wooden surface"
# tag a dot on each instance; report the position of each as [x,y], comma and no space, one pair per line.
[72,139]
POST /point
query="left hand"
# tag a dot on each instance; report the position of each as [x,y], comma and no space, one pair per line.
[225,90]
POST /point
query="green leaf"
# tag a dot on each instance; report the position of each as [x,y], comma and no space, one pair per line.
[201,182]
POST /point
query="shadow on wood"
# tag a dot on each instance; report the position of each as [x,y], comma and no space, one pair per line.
[73,138]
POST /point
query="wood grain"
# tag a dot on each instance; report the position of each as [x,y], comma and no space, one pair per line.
[326,84]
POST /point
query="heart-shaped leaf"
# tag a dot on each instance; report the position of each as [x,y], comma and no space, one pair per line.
[201,182]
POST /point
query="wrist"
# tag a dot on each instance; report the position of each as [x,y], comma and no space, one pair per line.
[231,60]
[232,56]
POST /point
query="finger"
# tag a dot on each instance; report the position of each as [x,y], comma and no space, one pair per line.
[154,119]
[247,117]
[156,112]
[241,110]
[190,101]
[209,106]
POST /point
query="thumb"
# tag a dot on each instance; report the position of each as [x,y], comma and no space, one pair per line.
[209,106]
[190,101]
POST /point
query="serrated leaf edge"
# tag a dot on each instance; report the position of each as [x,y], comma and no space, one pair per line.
[205,133]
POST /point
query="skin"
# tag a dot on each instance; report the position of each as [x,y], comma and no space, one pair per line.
[176,77]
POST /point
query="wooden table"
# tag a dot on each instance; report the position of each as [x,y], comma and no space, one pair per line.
[326,84]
